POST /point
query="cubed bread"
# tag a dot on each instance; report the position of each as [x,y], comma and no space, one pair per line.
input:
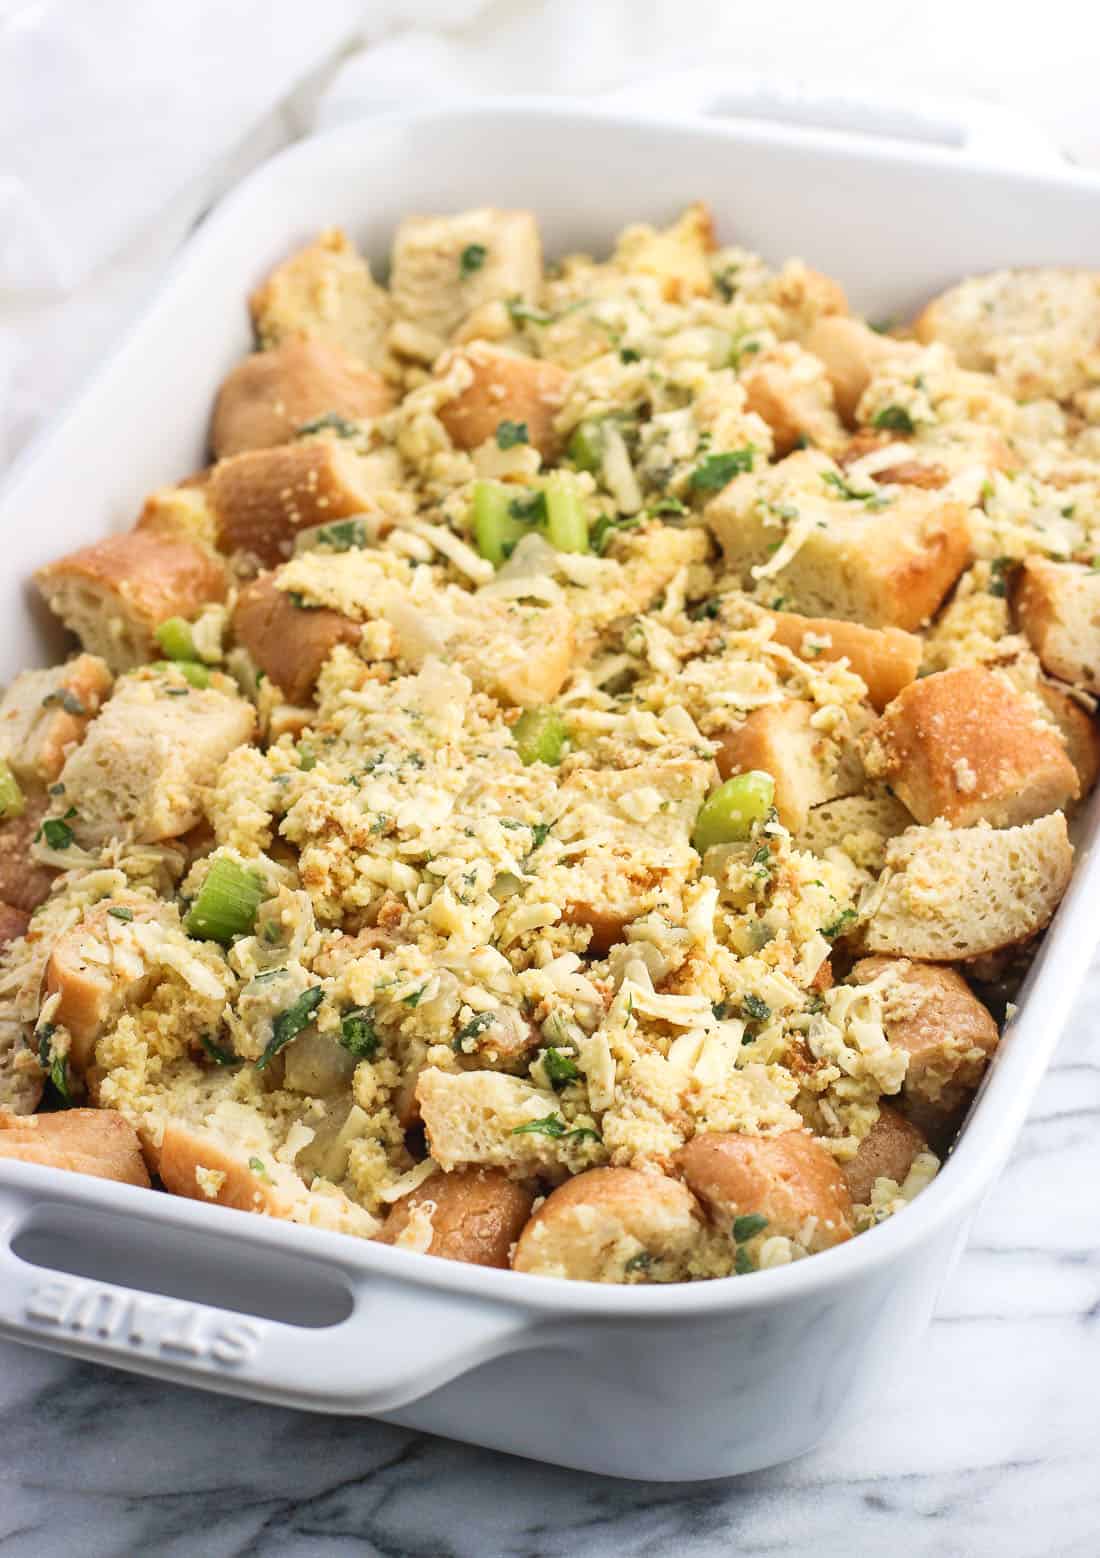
[271,396]
[860,825]
[886,563]
[94,969]
[933,1015]
[140,772]
[965,745]
[115,593]
[479,1117]
[1037,330]
[443,267]
[84,1141]
[505,387]
[678,256]
[888,1151]
[264,497]
[475,1215]
[1058,607]
[808,764]
[182,511]
[288,642]
[325,292]
[949,894]
[790,1180]
[850,352]
[44,714]
[787,387]
[193,1163]
[602,1225]
[13,923]
[886,659]
[1078,730]
[24,881]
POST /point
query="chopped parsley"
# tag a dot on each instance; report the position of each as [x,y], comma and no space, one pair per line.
[415,998]
[509,434]
[667,505]
[756,1009]
[521,312]
[553,1125]
[289,1024]
[559,1068]
[1000,568]
[748,1226]
[119,911]
[220,1054]
[330,422]
[258,1167]
[838,926]
[717,469]
[56,831]
[539,834]
[346,535]
[55,1066]
[640,1262]
[628,354]
[607,526]
[530,510]
[743,1262]
[893,419]
[471,259]
[357,1032]
[476,1025]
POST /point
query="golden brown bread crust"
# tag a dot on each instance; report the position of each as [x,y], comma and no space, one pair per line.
[932,1013]
[13,923]
[916,587]
[44,714]
[1058,607]
[263,497]
[184,1152]
[962,744]
[288,643]
[790,1179]
[886,1152]
[90,983]
[85,1141]
[478,1215]
[24,882]
[505,387]
[887,659]
[806,765]
[270,396]
[595,1225]
[796,411]
[851,352]
[1079,732]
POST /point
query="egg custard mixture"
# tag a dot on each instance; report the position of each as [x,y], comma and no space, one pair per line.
[571,784]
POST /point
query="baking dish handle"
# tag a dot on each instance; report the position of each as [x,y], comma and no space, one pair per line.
[986,132]
[385,1341]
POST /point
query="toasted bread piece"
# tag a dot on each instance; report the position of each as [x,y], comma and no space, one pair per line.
[94,969]
[608,1222]
[934,1016]
[475,1117]
[788,388]
[1078,731]
[885,566]
[1037,330]
[476,1215]
[325,293]
[678,256]
[443,267]
[290,644]
[964,745]
[193,1163]
[886,1152]
[505,387]
[271,396]
[24,881]
[181,511]
[13,923]
[262,498]
[808,765]
[949,894]
[114,593]
[1058,607]
[84,1141]
[887,659]
[789,1179]
[140,771]
[851,352]
[44,714]
[860,825]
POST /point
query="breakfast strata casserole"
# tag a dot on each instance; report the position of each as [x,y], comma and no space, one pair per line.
[575,783]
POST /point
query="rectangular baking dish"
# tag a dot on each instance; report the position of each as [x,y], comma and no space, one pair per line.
[665,1383]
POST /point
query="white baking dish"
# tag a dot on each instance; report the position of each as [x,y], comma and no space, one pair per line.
[664,1383]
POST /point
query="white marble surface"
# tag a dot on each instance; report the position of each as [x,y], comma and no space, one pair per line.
[986,1443]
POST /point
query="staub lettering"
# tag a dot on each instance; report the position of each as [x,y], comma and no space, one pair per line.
[134,1322]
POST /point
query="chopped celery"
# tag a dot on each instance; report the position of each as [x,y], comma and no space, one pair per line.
[496,528]
[586,445]
[227,902]
[12,803]
[566,520]
[175,638]
[729,812]
[539,735]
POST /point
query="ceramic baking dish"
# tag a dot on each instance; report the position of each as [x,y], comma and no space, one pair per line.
[662,1383]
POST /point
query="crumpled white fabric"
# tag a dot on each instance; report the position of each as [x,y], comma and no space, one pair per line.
[121,120]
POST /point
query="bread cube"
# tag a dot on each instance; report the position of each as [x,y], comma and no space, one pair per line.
[851,353]
[886,659]
[808,765]
[115,593]
[193,1163]
[790,1180]
[443,267]
[1058,607]
[788,388]
[600,1225]
[270,396]
[950,894]
[44,714]
[474,1117]
[933,1015]
[888,1151]
[887,562]
[182,511]
[860,825]
[678,256]
[141,769]
[1079,734]
[325,292]
[288,642]
[94,969]
[505,387]
[476,1215]
[85,1141]
[263,497]
[964,745]
[13,924]
[24,881]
